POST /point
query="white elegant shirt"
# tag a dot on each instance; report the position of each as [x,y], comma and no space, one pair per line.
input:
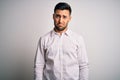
[61,57]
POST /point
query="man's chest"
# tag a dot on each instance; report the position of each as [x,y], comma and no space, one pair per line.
[64,46]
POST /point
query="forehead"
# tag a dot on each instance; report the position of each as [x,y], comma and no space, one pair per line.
[62,12]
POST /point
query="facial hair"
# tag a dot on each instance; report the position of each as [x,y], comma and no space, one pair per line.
[60,28]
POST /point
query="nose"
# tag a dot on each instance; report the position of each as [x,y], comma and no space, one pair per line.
[60,20]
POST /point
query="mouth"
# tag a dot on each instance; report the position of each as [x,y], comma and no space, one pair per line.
[60,28]
[60,24]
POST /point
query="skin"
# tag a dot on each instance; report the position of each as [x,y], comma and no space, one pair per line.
[61,19]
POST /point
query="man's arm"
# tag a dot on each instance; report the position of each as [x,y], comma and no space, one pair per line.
[39,61]
[83,61]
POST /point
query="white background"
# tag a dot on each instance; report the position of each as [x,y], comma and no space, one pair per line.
[22,22]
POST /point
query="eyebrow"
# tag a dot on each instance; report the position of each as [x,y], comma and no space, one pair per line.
[60,15]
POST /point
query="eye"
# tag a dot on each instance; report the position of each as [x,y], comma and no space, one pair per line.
[57,16]
[64,17]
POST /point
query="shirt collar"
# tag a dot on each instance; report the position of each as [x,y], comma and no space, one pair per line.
[67,32]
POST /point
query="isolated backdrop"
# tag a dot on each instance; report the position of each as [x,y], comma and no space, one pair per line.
[22,22]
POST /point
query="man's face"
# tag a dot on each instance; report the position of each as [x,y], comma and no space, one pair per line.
[61,19]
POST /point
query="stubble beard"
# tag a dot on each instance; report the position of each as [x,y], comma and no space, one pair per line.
[60,28]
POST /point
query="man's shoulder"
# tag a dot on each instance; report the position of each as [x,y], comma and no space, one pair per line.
[46,35]
[77,37]
[44,38]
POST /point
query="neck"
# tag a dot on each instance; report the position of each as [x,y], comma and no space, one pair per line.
[60,32]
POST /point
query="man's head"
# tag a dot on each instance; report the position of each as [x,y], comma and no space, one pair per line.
[63,6]
[62,16]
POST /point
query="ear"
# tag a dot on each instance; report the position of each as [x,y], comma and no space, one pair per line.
[70,18]
[53,15]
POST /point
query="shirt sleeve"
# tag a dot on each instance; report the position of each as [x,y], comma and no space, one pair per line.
[39,61]
[83,60]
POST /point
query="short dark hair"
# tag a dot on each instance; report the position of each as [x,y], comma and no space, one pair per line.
[63,6]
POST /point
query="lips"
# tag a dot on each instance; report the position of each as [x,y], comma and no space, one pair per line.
[60,25]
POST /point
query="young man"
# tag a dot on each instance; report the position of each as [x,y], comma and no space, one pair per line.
[61,54]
